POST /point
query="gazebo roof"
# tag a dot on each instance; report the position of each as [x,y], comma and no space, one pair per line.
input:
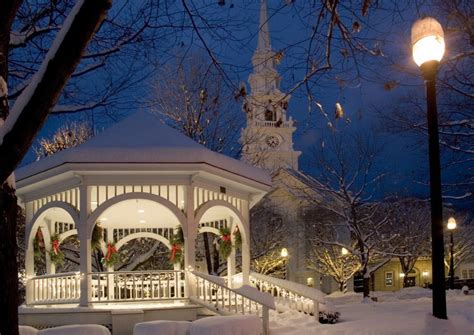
[143,138]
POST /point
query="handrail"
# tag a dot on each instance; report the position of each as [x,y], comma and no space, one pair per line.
[59,288]
[297,296]
[57,275]
[213,293]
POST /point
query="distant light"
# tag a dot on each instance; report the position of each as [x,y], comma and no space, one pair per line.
[344,251]
[103,219]
[141,211]
[402,275]
[425,273]
[142,221]
[451,223]
[284,252]
[427,38]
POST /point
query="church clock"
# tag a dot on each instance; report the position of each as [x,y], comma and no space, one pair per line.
[273,141]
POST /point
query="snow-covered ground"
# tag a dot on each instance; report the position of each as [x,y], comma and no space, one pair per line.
[404,312]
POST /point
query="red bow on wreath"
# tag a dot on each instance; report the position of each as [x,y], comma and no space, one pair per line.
[174,250]
[110,251]
[226,238]
[55,245]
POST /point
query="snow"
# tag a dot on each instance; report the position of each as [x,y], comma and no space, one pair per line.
[162,327]
[143,138]
[227,325]
[263,298]
[404,312]
[27,330]
[76,330]
[26,95]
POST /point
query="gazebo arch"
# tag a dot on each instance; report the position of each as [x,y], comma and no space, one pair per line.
[134,236]
[232,210]
[35,221]
[135,196]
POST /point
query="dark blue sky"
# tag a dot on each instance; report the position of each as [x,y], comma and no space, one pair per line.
[360,96]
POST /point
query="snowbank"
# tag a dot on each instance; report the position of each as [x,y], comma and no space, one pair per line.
[227,325]
[76,330]
[162,327]
[27,330]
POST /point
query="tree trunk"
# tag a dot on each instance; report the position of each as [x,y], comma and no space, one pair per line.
[341,286]
[215,254]
[207,252]
[366,286]
[8,260]
[405,280]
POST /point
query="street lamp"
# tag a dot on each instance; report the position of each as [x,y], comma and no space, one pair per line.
[451,227]
[344,251]
[427,38]
[284,254]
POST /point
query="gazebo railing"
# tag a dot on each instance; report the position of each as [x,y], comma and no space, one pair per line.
[137,286]
[61,288]
[213,293]
[295,296]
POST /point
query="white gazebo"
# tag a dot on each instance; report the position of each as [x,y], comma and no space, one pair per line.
[138,179]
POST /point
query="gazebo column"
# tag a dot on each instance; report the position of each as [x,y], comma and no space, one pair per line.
[110,268]
[245,244]
[85,247]
[231,258]
[29,254]
[190,234]
[50,267]
[177,267]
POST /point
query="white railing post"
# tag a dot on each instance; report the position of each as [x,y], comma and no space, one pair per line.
[265,320]
[316,310]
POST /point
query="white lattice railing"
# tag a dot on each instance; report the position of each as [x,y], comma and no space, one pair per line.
[137,286]
[212,293]
[296,296]
[56,288]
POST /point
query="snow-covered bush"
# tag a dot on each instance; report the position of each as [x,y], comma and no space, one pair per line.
[330,317]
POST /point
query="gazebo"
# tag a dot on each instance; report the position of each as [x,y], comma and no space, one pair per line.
[137,179]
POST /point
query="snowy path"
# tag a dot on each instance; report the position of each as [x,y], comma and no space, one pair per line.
[391,316]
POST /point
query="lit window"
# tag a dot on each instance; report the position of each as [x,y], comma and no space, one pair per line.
[389,278]
[471,274]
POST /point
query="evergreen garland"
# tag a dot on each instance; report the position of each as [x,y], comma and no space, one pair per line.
[237,239]
[55,254]
[97,237]
[112,256]
[177,242]
[225,243]
[38,244]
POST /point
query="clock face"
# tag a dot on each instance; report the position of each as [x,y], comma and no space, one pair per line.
[272,141]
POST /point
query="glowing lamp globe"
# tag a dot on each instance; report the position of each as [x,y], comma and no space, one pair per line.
[344,251]
[427,39]
[284,252]
[451,223]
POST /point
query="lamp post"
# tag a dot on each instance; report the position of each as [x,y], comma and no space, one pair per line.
[284,254]
[344,253]
[451,227]
[428,48]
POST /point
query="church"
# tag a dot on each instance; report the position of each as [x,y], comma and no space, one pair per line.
[267,142]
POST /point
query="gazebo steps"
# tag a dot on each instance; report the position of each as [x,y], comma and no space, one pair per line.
[120,318]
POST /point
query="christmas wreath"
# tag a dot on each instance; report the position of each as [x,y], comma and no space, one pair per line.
[225,243]
[237,239]
[55,254]
[112,256]
[177,242]
[38,244]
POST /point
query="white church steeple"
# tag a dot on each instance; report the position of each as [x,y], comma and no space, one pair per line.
[267,139]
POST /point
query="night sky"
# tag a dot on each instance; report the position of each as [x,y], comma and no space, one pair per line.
[362,98]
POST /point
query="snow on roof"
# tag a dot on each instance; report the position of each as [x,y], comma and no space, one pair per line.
[143,138]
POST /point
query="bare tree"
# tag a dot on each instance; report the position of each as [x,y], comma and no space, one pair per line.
[68,136]
[192,97]
[345,184]
[268,233]
[409,231]
[20,124]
